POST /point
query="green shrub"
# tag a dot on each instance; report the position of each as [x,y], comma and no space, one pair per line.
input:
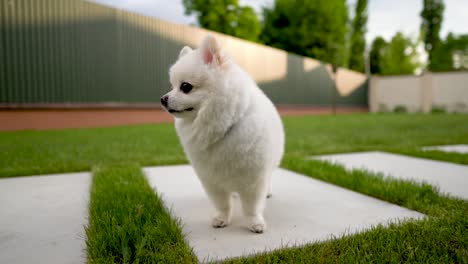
[438,110]
[400,109]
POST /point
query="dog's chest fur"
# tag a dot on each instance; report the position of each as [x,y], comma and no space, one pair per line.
[233,158]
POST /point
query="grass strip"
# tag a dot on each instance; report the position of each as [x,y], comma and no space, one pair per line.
[441,238]
[128,222]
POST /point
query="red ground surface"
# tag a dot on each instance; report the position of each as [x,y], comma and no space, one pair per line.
[42,119]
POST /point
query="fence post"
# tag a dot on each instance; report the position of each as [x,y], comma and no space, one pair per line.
[426,92]
[373,94]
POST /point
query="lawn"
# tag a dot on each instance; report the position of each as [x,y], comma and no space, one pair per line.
[129,224]
[40,152]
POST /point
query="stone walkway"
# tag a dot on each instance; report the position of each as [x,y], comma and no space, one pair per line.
[42,218]
[450,178]
[302,210]
[449,148]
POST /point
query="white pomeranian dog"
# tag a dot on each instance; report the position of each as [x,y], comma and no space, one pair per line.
[230,131]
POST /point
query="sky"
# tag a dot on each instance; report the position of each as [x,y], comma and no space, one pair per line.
[385,17]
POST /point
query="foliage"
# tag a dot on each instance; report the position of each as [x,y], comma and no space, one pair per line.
[314,28]
[248,26]
[451,54]
[442,58]
[358,42]
[401,56]
[432,15]
[438,110]
[460,48]
[226,16]
[397,57]
[400,109]
[376,55]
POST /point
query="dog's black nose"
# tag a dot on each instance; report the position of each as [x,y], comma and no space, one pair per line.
[164,100]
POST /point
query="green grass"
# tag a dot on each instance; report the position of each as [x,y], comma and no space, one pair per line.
[55,151]
[40,152]
[363,132]
[128,222]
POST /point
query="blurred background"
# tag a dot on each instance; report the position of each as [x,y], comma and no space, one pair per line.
[79,63]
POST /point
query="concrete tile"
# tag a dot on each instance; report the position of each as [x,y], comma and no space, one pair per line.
[449,148]
[42,218]
[451,178]
[302,210]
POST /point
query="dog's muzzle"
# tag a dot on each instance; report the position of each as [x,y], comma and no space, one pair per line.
[164,100]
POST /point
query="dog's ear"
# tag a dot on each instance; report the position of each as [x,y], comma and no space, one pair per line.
[184,51]
[211,51]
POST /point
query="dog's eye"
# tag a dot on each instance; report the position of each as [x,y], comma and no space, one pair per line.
[186,87]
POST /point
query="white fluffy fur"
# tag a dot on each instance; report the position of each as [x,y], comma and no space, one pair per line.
[233,137]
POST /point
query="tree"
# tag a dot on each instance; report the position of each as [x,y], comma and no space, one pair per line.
[399,56]
[442,56]
[314,28]
[358,42]
[460,52]
[248,27]
[432,15]
[377,55]
[451,54]
[225,16]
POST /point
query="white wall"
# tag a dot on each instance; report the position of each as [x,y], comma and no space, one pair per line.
[420,93]
[450,91]
[397,91]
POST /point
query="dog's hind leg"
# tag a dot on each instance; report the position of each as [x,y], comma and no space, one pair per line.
[253,203]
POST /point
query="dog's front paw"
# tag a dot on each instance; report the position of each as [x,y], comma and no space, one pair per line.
[220,221]
[257,224]
[258,228]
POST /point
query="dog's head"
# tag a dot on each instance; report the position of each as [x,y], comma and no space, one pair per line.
[196,76]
